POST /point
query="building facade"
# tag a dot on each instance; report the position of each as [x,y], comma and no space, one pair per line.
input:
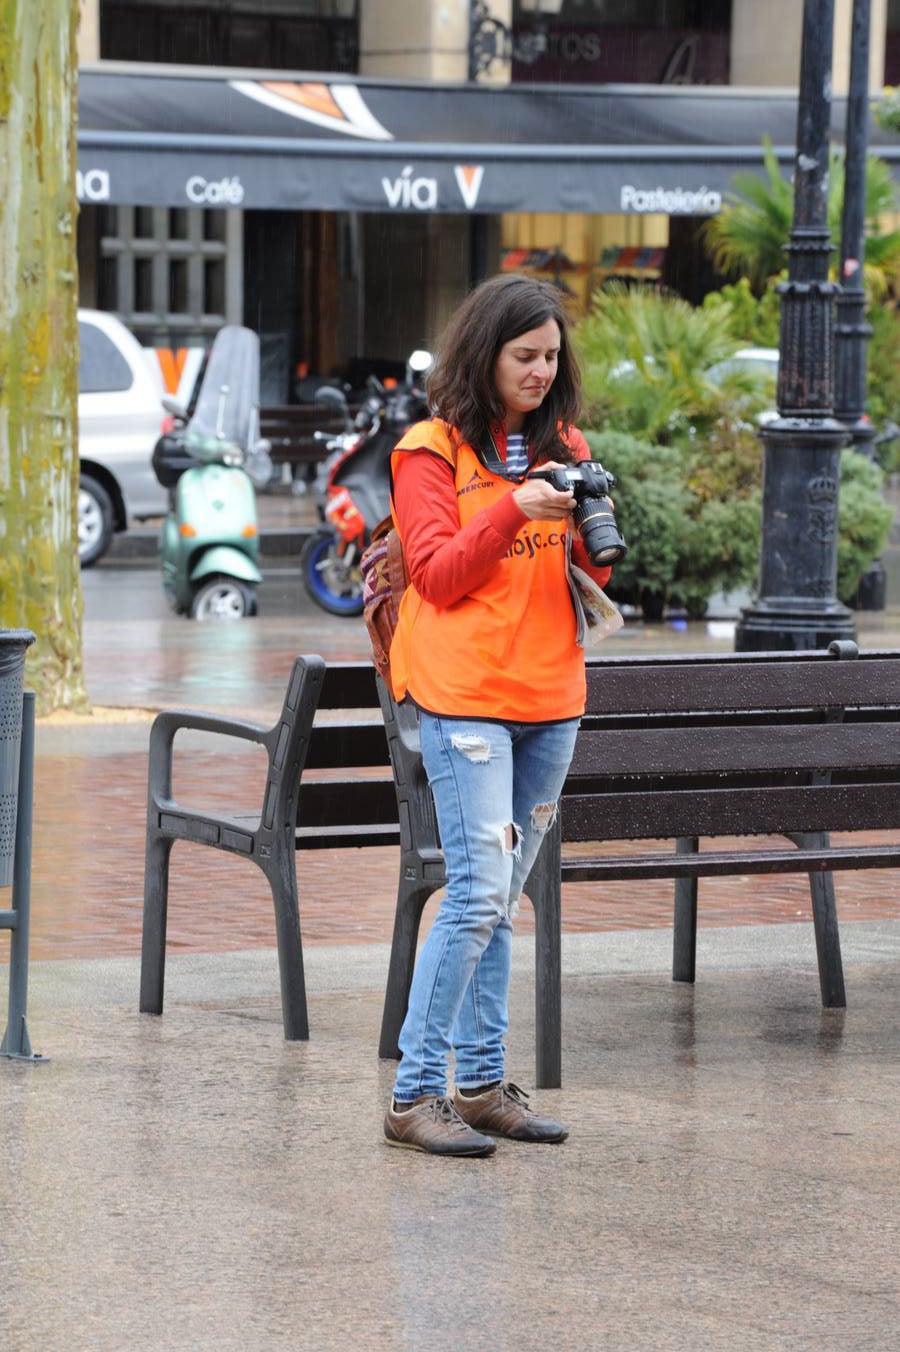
[337,282]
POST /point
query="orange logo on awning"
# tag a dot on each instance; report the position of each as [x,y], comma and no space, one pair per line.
[468,179]
[339,107]
[315,96]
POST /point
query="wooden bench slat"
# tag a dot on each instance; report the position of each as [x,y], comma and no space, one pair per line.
[712,863]
[737,686]
[809,746]
[345,837]
[730,811]
[338,746]
[349,685]
[342,802]
[291,428]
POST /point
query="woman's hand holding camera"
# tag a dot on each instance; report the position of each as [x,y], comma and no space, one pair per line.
[540,501]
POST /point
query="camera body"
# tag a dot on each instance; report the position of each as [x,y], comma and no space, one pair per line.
[593,515]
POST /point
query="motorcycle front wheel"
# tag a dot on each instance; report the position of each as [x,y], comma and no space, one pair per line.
[223,598]
[331,583]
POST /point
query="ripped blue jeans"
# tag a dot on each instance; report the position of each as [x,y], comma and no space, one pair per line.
[495,786]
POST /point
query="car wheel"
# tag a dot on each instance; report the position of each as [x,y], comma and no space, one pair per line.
[95,520]
[223,598]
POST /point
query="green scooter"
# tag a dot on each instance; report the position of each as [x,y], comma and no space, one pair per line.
[209,543]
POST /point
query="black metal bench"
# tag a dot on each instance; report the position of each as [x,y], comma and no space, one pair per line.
[678,748]
[671,748]
[328,785]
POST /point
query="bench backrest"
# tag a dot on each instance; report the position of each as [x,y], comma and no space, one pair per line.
[742,744]
[363,782]
[775,743]
[347,779]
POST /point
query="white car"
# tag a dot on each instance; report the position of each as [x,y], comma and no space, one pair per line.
[761,362]
[120,417]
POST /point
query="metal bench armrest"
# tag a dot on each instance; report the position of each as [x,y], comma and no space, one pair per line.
[162,743]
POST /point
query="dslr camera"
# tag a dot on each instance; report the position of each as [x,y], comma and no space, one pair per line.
[593,514]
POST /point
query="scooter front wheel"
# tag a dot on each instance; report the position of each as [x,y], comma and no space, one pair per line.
[331,583]
[223,598]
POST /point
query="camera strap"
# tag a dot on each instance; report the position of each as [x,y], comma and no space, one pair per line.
[491,460]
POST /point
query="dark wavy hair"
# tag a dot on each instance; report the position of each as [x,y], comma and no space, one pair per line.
[461,385]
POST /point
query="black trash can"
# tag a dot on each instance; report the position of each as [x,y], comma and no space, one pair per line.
[13,643]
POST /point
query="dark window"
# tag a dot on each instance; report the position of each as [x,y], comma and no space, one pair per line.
[207,32]
[178,223]
[143,222]
[178,286]
[214,226]
[101,365]
[143,284]
[624,41]
[214,286]
[107,283]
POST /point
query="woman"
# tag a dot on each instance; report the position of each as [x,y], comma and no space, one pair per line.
[485,646]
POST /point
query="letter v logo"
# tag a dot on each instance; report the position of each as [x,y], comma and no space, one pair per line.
[468,177]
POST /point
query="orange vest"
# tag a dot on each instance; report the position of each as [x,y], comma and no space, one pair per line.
[507,650]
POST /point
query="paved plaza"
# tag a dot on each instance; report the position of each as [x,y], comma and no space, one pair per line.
[194,1182]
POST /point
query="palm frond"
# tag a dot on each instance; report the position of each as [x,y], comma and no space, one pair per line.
[749,235]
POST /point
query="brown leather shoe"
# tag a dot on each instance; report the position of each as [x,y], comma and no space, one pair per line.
[504,1111]
[434,1125]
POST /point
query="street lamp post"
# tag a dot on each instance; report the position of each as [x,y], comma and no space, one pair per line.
[796,606]
[851,332]
[491,40]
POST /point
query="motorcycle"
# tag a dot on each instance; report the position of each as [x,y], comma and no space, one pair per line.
[209,462]
[353,485]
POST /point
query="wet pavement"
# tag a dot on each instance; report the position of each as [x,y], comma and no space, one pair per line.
[139,658]
[195,1182]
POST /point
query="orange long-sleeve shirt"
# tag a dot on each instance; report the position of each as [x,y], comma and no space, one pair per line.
[446,561]
[487,628]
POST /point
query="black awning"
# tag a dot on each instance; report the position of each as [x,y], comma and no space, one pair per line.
[161,136]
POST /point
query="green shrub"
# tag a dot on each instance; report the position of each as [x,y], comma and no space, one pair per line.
[864,520]
[687,452]
[692,519]
[883,370]
[645,360]
[684,542]
[752,321]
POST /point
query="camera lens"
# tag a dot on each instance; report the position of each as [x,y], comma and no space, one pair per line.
[593,516]
[599,531]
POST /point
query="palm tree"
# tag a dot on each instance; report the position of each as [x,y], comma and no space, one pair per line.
[646,360]
[748,236]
